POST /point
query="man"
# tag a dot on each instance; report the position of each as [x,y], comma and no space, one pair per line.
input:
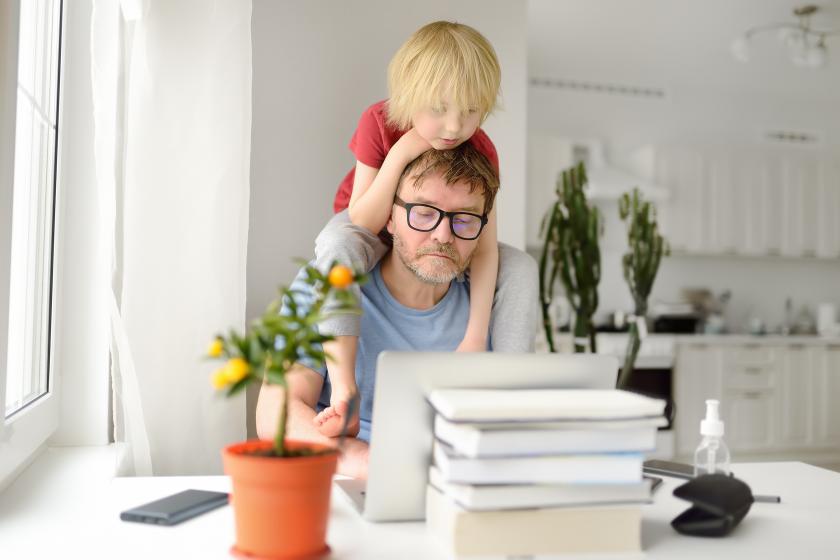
[415,299]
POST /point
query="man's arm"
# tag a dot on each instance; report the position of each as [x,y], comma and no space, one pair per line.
[304,389]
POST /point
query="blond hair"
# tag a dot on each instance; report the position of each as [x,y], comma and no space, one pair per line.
[442,58]
[464,164]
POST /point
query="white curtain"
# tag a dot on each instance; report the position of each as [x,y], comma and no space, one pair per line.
[172,111]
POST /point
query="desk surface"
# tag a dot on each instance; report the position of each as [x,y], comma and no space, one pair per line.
[73,510]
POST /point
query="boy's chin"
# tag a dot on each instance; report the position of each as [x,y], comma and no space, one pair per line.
[440,145]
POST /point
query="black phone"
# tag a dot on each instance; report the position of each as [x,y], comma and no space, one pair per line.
[176,508]
[655,481]
[668,468]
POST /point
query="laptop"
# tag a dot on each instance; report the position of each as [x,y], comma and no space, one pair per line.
[402,423]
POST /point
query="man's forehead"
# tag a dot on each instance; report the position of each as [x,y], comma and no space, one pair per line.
[435,191]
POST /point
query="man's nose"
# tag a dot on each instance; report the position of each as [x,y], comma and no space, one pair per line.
[442,233]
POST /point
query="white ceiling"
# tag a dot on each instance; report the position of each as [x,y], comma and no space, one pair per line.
[678,45]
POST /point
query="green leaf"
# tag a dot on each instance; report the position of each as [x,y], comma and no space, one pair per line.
[239,385]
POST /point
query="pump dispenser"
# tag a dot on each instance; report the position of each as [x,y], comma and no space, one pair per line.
[712,455]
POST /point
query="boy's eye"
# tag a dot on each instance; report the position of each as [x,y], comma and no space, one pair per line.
[472,110]
[439,109]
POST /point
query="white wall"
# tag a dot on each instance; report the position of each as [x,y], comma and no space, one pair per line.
[317,66]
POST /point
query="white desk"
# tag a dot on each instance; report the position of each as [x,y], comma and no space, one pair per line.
[73,512]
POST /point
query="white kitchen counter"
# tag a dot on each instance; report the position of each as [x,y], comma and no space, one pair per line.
[747,339]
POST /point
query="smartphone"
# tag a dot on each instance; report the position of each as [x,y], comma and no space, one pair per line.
[668,468]
[176,508]
[655,481]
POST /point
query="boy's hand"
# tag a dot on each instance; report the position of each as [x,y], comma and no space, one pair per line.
[410,146]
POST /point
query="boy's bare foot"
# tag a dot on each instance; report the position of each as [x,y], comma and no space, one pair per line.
[330,420]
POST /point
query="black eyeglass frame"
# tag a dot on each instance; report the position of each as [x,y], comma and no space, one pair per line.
[441,214]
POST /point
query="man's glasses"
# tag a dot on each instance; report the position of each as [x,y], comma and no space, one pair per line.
[422,217]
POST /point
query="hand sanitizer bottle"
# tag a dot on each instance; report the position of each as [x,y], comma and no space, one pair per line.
[712,455]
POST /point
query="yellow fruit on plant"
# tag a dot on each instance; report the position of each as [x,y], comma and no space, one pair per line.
[220,378]
[236,369]
[214,350]
[340,276]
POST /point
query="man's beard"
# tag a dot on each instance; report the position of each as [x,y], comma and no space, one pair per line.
[442,272]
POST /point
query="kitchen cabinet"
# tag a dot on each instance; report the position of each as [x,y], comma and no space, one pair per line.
[776,397]
[799,194]
[749,399]
[749,202]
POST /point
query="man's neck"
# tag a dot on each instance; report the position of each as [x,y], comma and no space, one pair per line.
[406,288]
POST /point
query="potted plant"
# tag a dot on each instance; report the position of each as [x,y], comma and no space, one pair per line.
[572,228]
[281,488]
[640,263]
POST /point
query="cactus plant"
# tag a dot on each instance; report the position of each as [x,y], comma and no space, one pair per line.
[640,265]
[572,228]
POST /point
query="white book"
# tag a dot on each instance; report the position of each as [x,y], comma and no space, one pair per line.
[542,405]
[488,497]
[598,424]
[474,440]
[613,468]
[533,532]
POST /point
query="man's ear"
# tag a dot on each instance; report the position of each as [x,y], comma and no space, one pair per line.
[389,226]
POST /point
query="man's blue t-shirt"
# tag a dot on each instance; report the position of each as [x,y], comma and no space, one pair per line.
[389,325]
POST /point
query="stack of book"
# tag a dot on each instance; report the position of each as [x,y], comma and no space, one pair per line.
[540,472]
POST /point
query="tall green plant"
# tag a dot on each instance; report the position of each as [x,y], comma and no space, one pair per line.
[640,264]
[572,228]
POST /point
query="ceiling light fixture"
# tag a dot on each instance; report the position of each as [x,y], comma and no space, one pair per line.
[805,45]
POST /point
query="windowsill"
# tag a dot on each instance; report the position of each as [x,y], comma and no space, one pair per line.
[61,483]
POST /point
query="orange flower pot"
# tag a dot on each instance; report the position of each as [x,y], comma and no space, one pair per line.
[281,505]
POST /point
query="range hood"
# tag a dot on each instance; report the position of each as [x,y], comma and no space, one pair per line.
[608,182]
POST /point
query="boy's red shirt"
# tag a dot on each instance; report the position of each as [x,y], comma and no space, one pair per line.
[374,138]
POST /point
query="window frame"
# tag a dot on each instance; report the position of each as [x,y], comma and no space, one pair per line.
[25,433]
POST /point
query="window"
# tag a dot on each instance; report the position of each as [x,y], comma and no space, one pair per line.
[33,206]
[30,47]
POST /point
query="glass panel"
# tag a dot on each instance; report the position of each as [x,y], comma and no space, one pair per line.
[33,206]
